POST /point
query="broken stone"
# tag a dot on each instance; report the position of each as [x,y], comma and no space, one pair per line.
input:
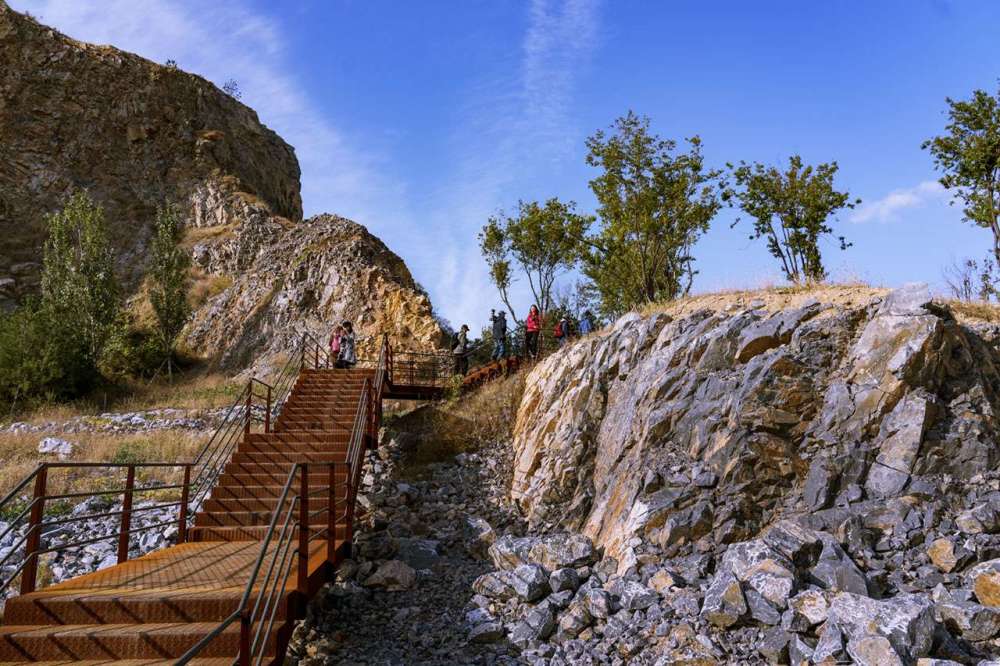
[529,582]
[724,603]
[393,576]
[972,621]
[564,579]
[906,620]
[487,632]
[873,650]
[946,556]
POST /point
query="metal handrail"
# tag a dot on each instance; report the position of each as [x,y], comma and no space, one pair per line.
[200,473]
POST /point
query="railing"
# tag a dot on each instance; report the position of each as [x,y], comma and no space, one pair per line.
[258,403]
[293,523]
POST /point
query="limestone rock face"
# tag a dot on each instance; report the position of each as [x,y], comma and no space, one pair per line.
[697,425]
[304,278]
[131,132]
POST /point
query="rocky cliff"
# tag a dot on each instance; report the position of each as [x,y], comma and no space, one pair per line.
[815,478]
[284,280]
[131,132]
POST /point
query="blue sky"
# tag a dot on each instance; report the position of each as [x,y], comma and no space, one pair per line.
[420,119]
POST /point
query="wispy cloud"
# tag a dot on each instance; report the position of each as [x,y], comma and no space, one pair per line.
[888,207]
[223,40]
[516,126]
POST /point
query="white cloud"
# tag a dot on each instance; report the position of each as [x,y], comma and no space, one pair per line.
[223,40]
[887,208]
[516,128]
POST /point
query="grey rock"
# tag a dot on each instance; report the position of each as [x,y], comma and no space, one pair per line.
[774,646]
[559,551]
[487,632]
[393,576]
[529,582]
[971,621]
[760,609]
[906,621]
[564,579]
[575,619]
[635,596]
[873,650]
[598,603]
[724,603]
[419,553]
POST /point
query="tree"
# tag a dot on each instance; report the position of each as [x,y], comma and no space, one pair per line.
[653,205]
[542,238]
[970,280]
[80,291]
[168,275]
[790,209]
[232,88]
[969,156]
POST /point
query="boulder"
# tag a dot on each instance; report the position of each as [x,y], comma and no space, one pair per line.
[509,551]
[906,621]
[60,448]
[971,621]
[635,596]
[984,580]
[419,553]
[724,603]
[558,551]
[536,626]
[529,582]
[575,619]
[946,556]
[565,579]
[479,536]
[393,576]
[487,632]
[873,650]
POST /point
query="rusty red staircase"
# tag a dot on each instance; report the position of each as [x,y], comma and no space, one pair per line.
[272,507]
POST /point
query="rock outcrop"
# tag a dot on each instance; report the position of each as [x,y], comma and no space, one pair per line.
[823,471]
[135,135]
[285,280]
[131,132]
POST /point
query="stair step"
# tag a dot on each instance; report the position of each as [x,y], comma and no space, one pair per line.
[249,533]
[116,641]
[290,457]
[233,491]
[117,606]
[260,518]
[279,439]
[257,504]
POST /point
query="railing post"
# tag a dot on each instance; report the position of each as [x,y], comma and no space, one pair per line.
[126,526]
[246,422]
[267,414]
[34,540]
[182,519]
[316,357]
[331,517]
[303,582]
[245,655]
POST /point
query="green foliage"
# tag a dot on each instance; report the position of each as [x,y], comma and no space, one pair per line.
[54,348]
[790,210]
[542,238]
[969,156]
[130,453]
[653,204]
[80,292]
[168,275]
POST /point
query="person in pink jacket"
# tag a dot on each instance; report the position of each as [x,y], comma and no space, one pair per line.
[532,325]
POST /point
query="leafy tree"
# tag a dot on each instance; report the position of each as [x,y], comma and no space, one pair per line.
[790,209]
[969,155]
[653,204]
[542,239]
[168,276]
[29,363]
[232,88]
[80,293]
[971,280]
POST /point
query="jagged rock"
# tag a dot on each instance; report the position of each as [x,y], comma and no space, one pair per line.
[495,585]
[487,632]
[836,571]
[799,652]
[906,621]
[529,582]
[973,622]
[774,646]
[634,596]
[575,619]
[393,576]
[945,555]
[558,551]
[565,579]
[662,581]
[724,603]
[901,433]
[509,551]
[761,609]
[810,605]
[536,626]
[981,519]
[597,603]
[873,650]
[419,553]
[60,448]
[830,646]
[984,580]
[479,535]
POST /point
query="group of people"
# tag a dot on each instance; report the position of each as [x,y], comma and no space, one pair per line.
[343,346]
[562,332]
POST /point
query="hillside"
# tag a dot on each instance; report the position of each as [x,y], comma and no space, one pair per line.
[132,132]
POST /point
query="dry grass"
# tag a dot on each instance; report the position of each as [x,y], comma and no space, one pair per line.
[974,311]
[205,286]
[772,298]
[445,429]
[20,456]
[193,391]
[195,235]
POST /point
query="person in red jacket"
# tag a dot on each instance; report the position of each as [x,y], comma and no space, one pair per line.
[532,325]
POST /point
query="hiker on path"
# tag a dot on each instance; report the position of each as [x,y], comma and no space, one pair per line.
[499,322]
[532,325]
[335,343]
[461,350]
[561,332]
[586,323]
[348,356]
